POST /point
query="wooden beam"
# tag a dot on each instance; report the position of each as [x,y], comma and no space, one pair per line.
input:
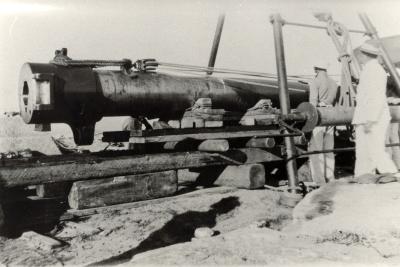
[172,134]
[52,169]
[122,189]
[207,135]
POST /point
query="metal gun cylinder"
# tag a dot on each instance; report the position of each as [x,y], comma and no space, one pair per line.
[80,95]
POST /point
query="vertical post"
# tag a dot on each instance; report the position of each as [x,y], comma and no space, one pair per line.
[284,100]
[217,38]
[384,54]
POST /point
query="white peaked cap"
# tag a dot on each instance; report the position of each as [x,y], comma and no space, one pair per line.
[321,65]
[369,49]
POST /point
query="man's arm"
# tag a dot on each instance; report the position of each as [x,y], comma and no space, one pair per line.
[313,99]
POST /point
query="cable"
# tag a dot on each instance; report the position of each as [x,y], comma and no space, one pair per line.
[219,70]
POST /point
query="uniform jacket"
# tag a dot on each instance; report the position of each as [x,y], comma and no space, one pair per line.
[323,90]
[371,94]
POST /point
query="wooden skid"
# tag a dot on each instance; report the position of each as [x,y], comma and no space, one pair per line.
[122,189]
[173,135]
[52,169]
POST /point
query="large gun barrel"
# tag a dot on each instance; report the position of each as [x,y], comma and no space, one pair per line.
[81,95]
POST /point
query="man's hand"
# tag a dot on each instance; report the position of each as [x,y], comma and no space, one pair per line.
[393,100]
[368,126]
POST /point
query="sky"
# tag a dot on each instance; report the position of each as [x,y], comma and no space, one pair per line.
[177,32]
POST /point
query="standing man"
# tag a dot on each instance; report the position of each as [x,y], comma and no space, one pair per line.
[371,116]
[323,93]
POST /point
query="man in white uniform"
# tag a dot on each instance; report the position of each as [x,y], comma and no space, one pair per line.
[323,93]
[371,116]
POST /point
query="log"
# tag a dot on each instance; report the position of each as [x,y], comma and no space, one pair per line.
[267,142]
[220,145]
[250,176]
[53,169]
[123,189]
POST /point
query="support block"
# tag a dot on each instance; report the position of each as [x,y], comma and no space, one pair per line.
[122,189]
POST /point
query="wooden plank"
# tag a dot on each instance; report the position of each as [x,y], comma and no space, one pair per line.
[72,213]
[123,189]
[210,135]
[54,169]
[109,136]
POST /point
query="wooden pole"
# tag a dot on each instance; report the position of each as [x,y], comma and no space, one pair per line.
[284,100]
[217,39]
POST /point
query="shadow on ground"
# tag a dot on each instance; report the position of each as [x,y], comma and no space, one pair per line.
[178,230]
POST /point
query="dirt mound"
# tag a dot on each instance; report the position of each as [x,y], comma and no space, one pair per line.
[343,212]
[339,224]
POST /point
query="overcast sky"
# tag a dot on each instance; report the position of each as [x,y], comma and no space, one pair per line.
[175,31]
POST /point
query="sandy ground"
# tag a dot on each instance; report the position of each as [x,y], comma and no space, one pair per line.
[339,224]
[150,226]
